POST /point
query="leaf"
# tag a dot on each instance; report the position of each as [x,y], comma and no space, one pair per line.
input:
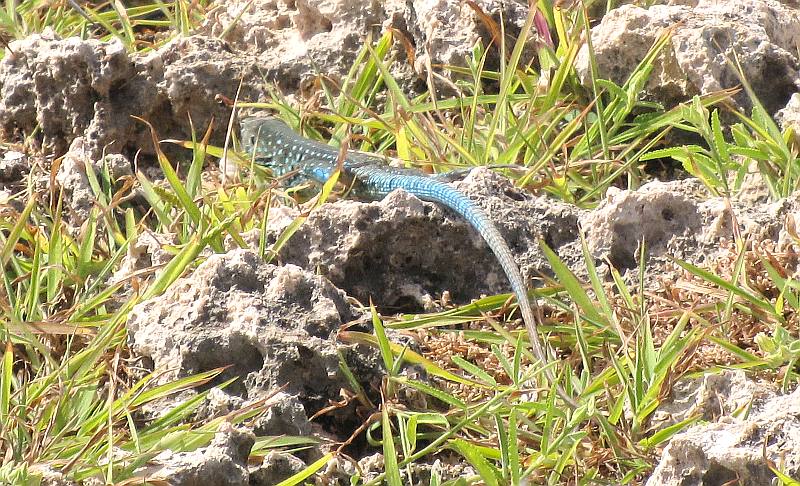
[307,472]
[472,454]
[571,284]
[389,451]
[409,356]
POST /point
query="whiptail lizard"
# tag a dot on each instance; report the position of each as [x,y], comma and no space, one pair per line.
[274,145]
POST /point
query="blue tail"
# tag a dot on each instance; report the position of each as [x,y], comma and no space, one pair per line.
[377,182]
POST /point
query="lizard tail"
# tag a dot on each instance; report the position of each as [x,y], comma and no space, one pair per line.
[382,182]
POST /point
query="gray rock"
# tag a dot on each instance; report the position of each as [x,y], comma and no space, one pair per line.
[657,213]
[144,253]
[277,466]
[118,166]
[678,220]
[446,31]
[73,179]
[222,463]
[79,198]
[88,88]
[217,404]
[733,448]
[13,166]
[295,42]
[789,116]
[190,73]
[286,416]
[61,84]
[708,397]
[400,251]
[273,326]
[763,34]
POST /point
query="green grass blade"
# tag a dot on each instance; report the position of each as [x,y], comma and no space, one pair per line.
[571,284]
[10,242]
[389,452]
[472,454]
[307,472]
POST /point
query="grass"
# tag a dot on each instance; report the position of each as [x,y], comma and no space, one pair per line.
[69,401]
[136,27]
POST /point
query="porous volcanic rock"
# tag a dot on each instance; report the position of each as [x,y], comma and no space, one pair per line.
[762,35]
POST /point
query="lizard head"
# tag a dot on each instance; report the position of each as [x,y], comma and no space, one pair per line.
[263,138]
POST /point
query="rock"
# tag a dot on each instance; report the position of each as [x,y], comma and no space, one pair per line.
[61,85]
[295,42]
[223,462]
[145,252]
[657,214]
[286,416]
[708,397]
[190,73]
[79,198]
[733,448]
[118,166]
[789,116]
[400,251]
[87,88]
[446,31]
[73,179]
[217,404]
[13,166]
[277,466]
[273,326]
[753,188]
[762,34]
[677,220]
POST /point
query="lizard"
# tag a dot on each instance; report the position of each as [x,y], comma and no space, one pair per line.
[273,144]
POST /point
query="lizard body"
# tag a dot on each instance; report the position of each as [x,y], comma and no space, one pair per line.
[275,145]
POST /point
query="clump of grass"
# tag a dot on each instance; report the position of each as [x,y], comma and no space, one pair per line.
[140,27]
[68,398]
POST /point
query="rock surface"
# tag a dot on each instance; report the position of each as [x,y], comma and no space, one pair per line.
[676,220]
[762,34]
[13,166]
[86,88]
[223,462]
[72,177]
[789,116]
[733,448]
[294,42]
[273,326]
[657,215]
[403,252]
[276,467]
[73,88]
[709,398]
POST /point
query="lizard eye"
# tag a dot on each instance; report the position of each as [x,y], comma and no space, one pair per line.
[265,160]
[252,140]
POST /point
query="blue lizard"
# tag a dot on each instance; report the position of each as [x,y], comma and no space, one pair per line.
[274,145]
